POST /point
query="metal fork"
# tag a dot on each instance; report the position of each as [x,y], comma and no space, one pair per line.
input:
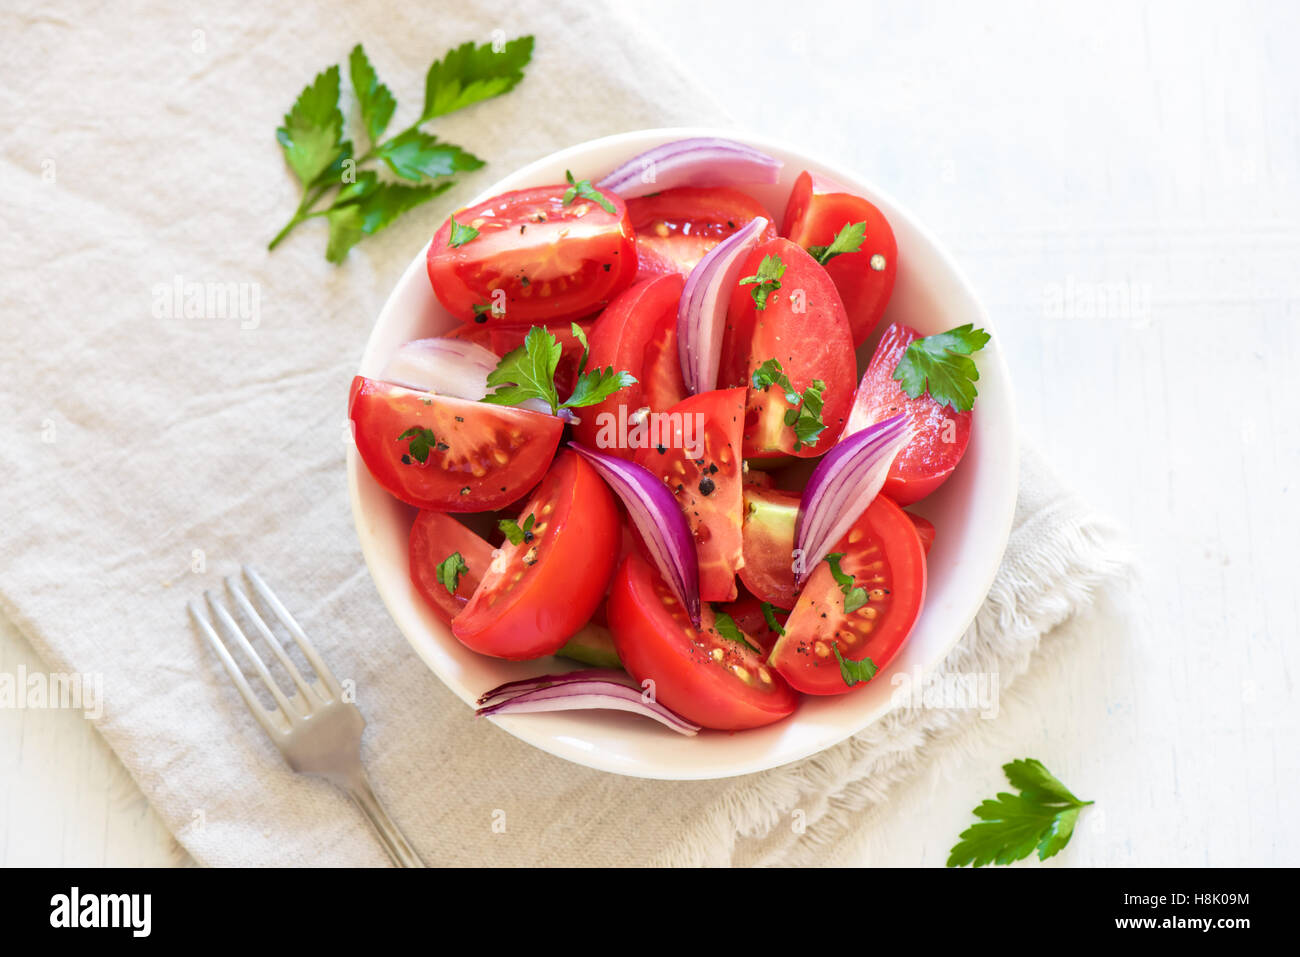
[316,730]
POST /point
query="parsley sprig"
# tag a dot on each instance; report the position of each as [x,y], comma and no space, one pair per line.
[583,188]
[942,364]
[766,281]
[323,161]
[806,416]
[516,533]
[422,441]
[726,626]
[851,671]
[460,234]
[769,616]
[854,596]
[848,240]
[528,372]
[449,571]
[1012,826]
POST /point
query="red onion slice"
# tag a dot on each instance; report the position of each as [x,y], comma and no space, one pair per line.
[511,688]
[450,367]
[702,311]
[655,513]
[590,694]
[702,161]
[841,487]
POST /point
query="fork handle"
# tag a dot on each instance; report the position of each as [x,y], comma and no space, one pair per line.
[390,836]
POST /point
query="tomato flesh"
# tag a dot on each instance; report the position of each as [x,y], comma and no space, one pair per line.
[637,333]
[478,457]
[535,258]
[804,327]
[770,516]
[705,678]
[535,595]
[434,537]
[883,553]
[817,210]
[747,612]
[699,460]
[939,434]
[675,228]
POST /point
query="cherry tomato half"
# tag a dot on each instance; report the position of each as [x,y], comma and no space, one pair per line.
[434,537]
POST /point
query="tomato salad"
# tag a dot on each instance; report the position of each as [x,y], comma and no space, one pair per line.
[652,409]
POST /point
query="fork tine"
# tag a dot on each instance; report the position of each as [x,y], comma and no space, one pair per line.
[260,713]
[233,629]
[309,693]
[295,631]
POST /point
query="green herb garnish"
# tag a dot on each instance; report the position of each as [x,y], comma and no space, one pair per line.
[854,597]
[460,235]
[422,440]
[449,571]
[311,137]
[1012,826]
[583,188]
[769,616]
[942,364]
[726,626]
[806,417]
[528,372]
[766,281]
[516,533]
[854,671]
[847,240]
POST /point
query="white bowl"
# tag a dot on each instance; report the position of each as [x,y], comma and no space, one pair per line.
[972,511]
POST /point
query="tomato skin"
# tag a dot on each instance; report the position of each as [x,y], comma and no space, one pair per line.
[939,435]
[575,546]
[883,533]
[924,530]
[713,516]
[814,343]
[770,516]
[656,642]
[637,333]
[675,228]
[817,209]
[510,447]
[554,261]
[434,536]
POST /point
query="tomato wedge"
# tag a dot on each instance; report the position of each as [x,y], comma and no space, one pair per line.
[434,537]
[704,677]
[535,258]
[883,553]
[456,456]
[939,434]
[637,333]
[747,612]
[699,459]
[676,227]
[925,529]
[802,326]
[768,572]
[536,594]
[817,210]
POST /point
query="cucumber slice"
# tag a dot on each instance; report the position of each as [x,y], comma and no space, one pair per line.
[592,645]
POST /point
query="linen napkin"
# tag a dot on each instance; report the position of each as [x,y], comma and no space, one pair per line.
[145,454]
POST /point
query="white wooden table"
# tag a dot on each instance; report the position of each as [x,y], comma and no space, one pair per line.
[1121,183]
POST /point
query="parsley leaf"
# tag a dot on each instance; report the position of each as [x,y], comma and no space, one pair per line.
[368,208]
[586,349]
[376,100]
[848,240]
[313,128]
[414,155]
[528,372]
[471,73]
[518,534]
[941,363]
[766,281]
[1012,826]
[460,234]
[584,189]
[449,571]
[854,597]
[806,417]
[422,440]
[769,616]
[854,671]
[726,626]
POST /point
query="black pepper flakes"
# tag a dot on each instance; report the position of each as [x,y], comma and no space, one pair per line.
[707,486]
